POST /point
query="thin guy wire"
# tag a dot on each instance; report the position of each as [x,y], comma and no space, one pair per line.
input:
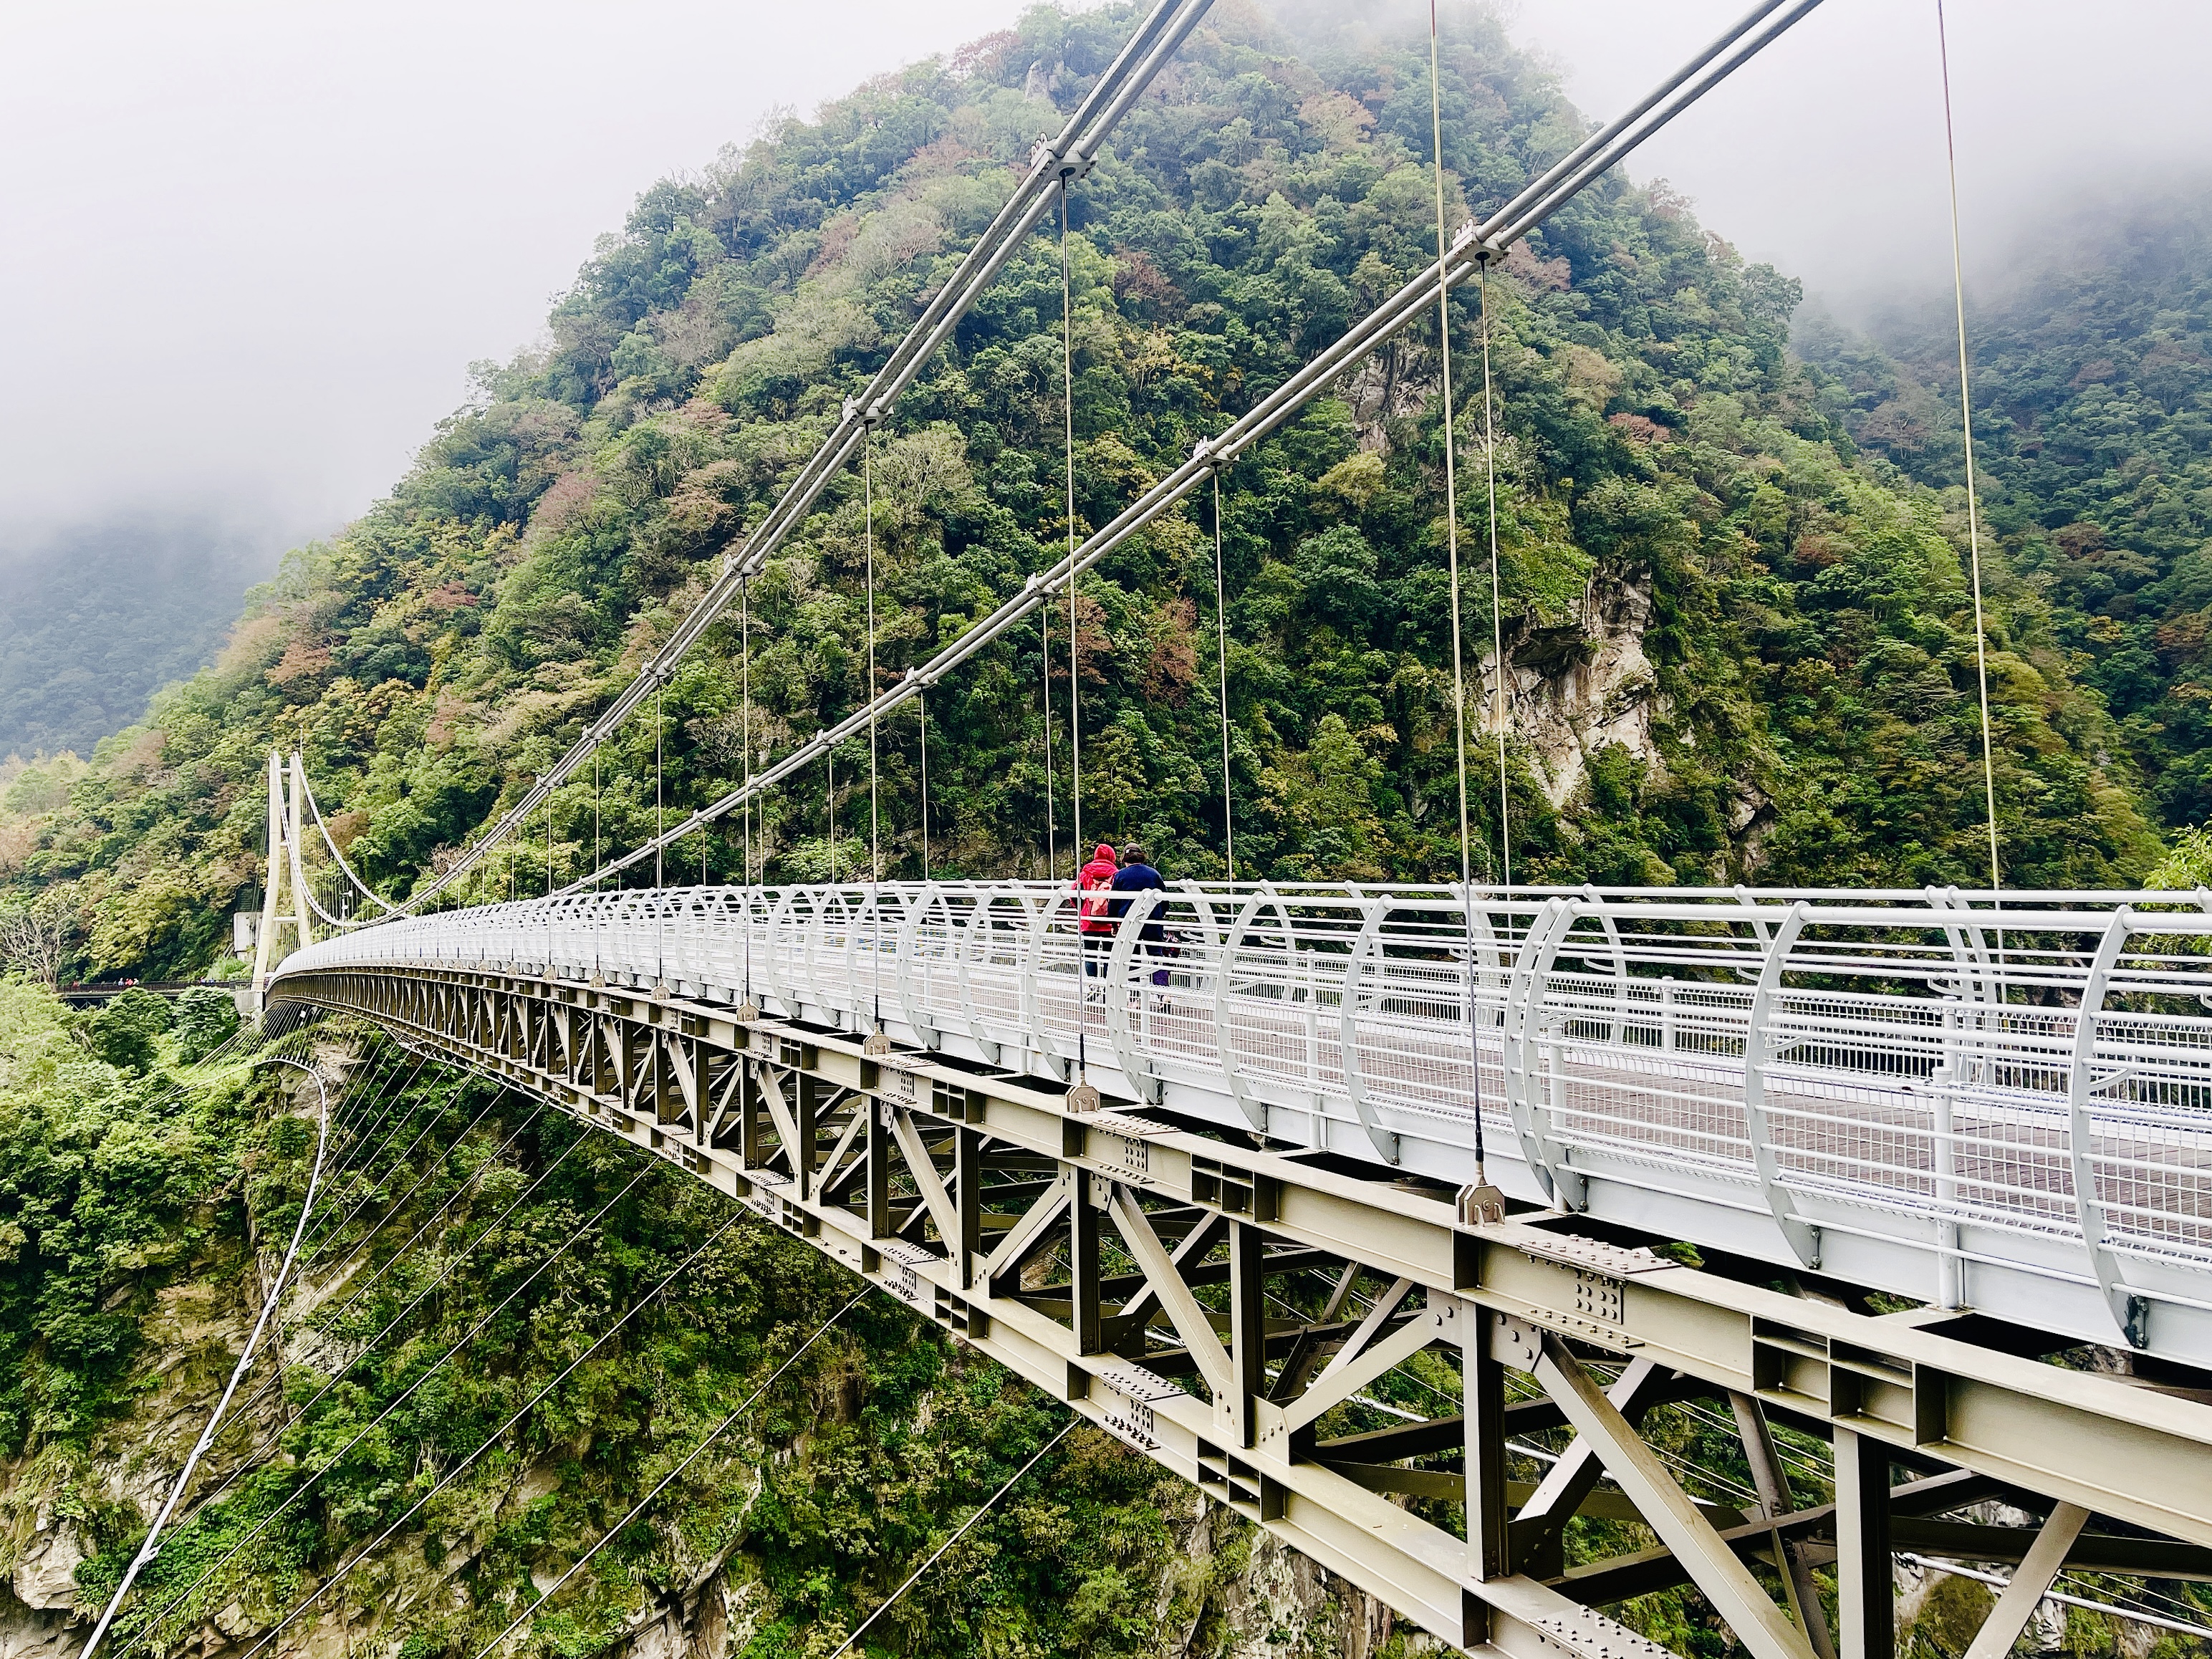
[361,1243]
[276,1380]
[1074,637]
[603,1339]
[659,1487]
[1967,422]
[354,1160]
[406,1393]
[451,1198]
[451,1267]
[374,1099]
[1451,545]
[331,1238]
[347,1132]
[246,1464]
[962,1532]
[455,1473]
[1221,661]
[152,1541]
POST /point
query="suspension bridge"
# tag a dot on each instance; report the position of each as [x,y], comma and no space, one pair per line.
[1923,1176]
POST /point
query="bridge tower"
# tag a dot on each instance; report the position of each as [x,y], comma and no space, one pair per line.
[285,878]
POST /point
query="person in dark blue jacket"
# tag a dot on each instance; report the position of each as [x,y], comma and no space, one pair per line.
[1136,876]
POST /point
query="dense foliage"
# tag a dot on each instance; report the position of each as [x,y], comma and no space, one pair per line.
[131,1210]
[1738,644]
[95,622]
[2093,413]
[1736,647]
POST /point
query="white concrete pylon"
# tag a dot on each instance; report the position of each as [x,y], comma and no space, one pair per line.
[284,877]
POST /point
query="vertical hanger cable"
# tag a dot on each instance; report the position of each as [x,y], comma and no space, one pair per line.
[1499,710]
[1074,636]
[1966,424]
[745,710]
[1044,666]
[1221,662]
[1451,545]
[868,517]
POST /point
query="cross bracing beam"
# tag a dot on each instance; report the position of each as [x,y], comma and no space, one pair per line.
[1531,1296]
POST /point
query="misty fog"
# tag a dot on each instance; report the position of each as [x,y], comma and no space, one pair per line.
[251,248]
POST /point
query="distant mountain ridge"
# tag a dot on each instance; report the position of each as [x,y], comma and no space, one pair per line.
[95,619]
[2093,429]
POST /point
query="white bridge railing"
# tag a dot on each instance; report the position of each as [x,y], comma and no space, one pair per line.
[2004,1107]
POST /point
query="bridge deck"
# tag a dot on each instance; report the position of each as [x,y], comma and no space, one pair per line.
[1903,1089]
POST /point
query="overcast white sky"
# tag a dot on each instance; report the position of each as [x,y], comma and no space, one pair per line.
[248,248]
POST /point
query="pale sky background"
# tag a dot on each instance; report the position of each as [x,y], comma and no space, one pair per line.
[248,248]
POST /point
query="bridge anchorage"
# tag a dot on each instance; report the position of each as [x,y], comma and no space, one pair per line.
[1925,1146]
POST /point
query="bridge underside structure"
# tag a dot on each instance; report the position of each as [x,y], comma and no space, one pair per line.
[1207,1178]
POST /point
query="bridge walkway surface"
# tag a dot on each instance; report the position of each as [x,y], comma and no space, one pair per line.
[1926,1148]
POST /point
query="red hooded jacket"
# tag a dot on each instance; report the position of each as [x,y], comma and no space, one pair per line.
[1097,877]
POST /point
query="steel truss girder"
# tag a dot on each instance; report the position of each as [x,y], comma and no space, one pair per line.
[897,1166]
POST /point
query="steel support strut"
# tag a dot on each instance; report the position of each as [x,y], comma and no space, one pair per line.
[1230,1313]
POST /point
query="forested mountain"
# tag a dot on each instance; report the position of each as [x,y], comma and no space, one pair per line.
[1736,648]
[93,621]
[1738,644]
[2093,410]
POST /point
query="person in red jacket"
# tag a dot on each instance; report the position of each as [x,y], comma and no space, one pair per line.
[1097,924]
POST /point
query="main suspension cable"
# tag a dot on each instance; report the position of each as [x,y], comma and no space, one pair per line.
[269,1302]
[1147,51]
[664,1483]
[935,1555]
[277,1377]
[1967,425]
[1760,28]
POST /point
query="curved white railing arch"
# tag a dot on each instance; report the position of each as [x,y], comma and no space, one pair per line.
[1918,1090]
